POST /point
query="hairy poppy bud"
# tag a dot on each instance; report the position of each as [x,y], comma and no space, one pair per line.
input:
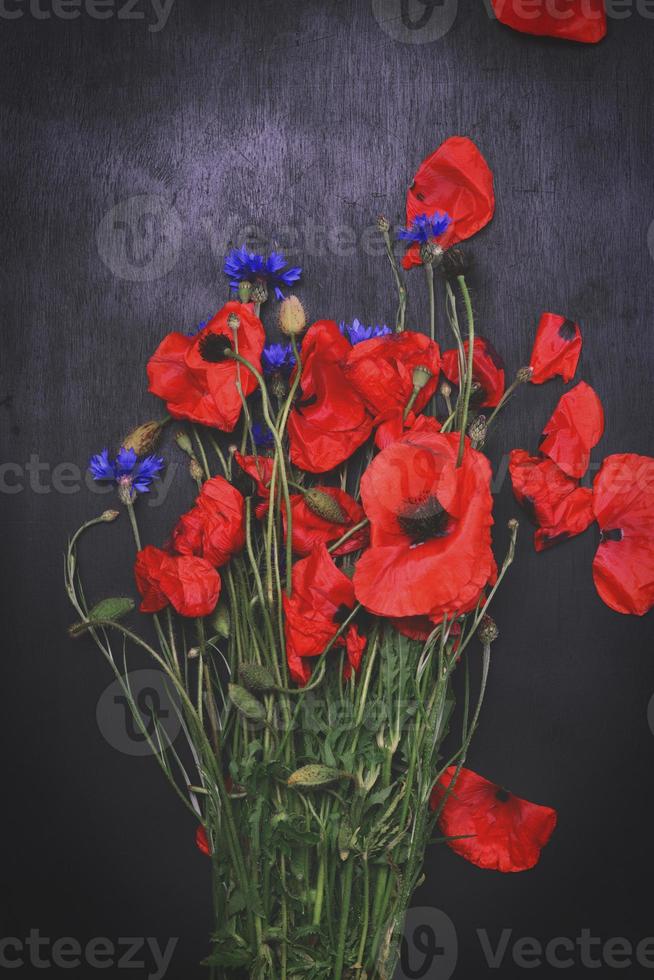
[488,631]
[233,321]
[524,374]
[144,438]
[431,253]
[292,317]
[255,677]
[383,224]
[109,515]
[324,506]
[246,704]
[259,293]
[311,777]
[196,470]
[244,291]
[477,431]
[455,263]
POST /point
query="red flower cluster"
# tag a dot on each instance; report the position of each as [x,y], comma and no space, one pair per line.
[489,826]
[184,574]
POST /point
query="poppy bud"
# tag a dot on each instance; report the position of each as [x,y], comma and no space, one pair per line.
[254,677]
[513,524]
[109,515]
[259,293]
[292,317]
[184,443]
[144,438]
[477,431]
[420,377]
[233,321]
[524,374]
[244,291]
[431,253]
[246,704]
[316,775]
[383,224]
[196,470]
[455,263]
[488,631]
[324,506]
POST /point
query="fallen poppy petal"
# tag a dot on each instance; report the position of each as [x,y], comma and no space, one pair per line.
[554,501]
[571,20]
[556,349]
[576,425]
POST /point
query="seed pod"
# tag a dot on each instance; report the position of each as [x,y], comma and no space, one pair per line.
[324,506]
[244,291]
[314,776]
[292,317]
[421,376]
[144,438]
[184,443]
[477,431]
[255,677]
[524,374]
[246,704]
[488,631]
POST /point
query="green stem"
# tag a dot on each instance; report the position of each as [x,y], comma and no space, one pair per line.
[468,377]
[344,919]
[429,274]
[399,283]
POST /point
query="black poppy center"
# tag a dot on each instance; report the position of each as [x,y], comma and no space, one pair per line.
[213,347]
[567,330]
[424,519]
[341,614]
[614,534]
[502,795]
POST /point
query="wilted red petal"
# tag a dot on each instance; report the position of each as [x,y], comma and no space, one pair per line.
[572,20]
[204,391]
[329,421]
[381,370]
[576,425]
[554,501]
[487,372]
[309,528]
[455,179]
[215,527]
[430,526]
[320,600]
[191,585]
[623,568]
[556,349]
[495,829]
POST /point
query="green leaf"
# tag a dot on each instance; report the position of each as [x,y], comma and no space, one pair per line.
[236,903]
[228,956]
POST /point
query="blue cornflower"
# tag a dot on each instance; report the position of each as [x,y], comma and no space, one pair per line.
[263,437]
[130,474]
[277,357]
[424,229]
[242,266]
[357,331]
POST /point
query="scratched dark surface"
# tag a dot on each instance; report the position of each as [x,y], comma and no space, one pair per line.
[305,120]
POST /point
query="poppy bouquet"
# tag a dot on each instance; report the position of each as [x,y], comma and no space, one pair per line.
[336,568]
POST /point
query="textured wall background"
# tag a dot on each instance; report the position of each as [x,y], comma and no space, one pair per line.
[304,119]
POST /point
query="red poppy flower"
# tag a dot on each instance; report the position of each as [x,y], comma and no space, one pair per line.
[381,370]
[322,516]
[321,599]
[194,377]
[330,421]
[430,526]
[202,841]
[454,179]
[487,372]
[556,349]
[421,627]
[191,585]
[623,500]
[576,425]
[554,501]
[572,20]
[495,829]
[215,527]
[392,425]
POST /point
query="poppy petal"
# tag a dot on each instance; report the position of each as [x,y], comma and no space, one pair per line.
[554,501]
[576,425]
[576,20]
[487,371]
[489,826]
[556,349]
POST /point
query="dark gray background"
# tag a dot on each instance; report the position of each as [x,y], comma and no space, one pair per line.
[303,119]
